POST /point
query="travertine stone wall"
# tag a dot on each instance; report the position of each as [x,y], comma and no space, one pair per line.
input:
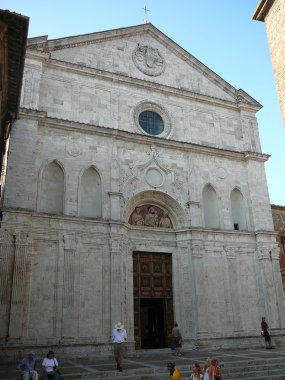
[67,278]
[275,28]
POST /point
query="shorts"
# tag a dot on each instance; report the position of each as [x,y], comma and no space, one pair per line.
[178,342]
[118,349]
[267,336]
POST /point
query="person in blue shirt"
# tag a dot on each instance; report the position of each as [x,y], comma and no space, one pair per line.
[27,366]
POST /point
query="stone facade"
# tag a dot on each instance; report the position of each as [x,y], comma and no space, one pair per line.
[278,213]
[81,164]
[272,12]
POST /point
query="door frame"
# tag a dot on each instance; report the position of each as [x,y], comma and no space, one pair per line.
[152,278]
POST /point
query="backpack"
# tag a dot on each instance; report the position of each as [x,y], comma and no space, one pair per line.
[217,373]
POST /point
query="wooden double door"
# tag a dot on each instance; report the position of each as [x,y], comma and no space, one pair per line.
[153,299]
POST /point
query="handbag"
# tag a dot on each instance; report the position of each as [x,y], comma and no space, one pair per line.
[56,369]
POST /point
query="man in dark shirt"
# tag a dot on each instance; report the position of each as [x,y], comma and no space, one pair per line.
[267,338]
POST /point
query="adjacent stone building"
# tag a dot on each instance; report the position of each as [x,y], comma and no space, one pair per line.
[272,12]
[278,213]
[136,192]
[13,39]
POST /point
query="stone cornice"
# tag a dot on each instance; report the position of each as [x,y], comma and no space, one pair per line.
[253,156]
[61,124]
[241,102]
[196,232]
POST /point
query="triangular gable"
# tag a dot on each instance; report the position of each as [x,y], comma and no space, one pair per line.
[120,51]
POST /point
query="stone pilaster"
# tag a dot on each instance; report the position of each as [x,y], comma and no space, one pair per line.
[184,289]
[201,310]
[233,288]
[116,290]
[70,284]
[21,269]
[7,253]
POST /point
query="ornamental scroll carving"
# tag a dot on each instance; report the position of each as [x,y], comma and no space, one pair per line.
[148,60]
[150,216]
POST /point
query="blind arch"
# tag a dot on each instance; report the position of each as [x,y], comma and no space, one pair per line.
[90,194]
[210,207]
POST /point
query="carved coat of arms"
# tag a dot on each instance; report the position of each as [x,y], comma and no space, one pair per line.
[148,60]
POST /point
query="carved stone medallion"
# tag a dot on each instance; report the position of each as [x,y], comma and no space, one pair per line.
[154,177]
[148,60]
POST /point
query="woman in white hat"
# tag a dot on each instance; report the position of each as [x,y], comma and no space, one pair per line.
[119,336]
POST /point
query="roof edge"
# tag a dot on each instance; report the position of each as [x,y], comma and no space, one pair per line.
[262,10]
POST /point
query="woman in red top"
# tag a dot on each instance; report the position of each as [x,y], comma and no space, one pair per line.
[267,338]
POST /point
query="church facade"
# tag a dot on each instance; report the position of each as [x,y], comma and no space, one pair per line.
[135,192]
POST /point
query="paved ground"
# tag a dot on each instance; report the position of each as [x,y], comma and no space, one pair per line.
[152,360]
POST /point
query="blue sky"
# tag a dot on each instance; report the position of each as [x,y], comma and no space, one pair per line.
[220,33]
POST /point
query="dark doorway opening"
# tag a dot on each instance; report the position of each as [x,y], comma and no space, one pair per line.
[152,312]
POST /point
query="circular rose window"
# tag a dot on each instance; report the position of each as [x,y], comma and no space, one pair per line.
[151,122]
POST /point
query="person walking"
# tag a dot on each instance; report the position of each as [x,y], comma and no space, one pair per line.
[215,371]
[173,371]
[207,365]
[176,334]
[196,372]
[119,337]
[27,366]
[265,333]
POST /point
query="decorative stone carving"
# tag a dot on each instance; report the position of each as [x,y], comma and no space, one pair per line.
[73,148]
[153,172]
[222,173]
[148,60]
[154,177]
[230,252]
[198,251]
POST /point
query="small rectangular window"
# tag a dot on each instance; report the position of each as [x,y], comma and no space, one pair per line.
[236,226]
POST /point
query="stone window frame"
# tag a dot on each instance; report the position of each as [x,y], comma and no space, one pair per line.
[153,107]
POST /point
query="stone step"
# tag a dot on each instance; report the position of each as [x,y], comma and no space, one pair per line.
[250,365]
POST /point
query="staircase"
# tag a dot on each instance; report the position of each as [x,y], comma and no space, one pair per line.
[252,364]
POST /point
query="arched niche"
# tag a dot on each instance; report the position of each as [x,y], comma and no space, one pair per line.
[161,202]
[51,189]
[238,210]
[90,194]
[210,207]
